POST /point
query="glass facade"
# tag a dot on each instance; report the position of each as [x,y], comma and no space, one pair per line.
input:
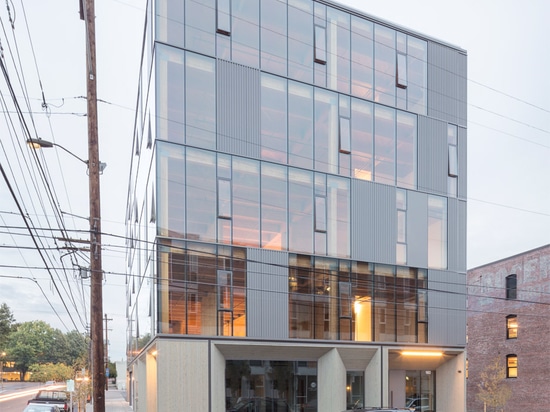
[316,167]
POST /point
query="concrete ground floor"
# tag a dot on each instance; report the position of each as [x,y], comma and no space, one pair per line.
[220,374]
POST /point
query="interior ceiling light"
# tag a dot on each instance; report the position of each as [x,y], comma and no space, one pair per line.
[432,354]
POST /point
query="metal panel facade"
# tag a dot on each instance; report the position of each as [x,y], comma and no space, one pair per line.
[417,229]
[267,285]
[374,217]
[462,163]
[238,108]
[432,156]
[446,308]
[447,84]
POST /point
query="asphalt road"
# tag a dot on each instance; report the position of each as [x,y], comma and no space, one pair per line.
[14,395]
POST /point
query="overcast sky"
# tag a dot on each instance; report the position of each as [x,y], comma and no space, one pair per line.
[508,136]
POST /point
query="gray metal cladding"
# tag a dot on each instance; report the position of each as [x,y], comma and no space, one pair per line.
[238,109]
[447,84]
[267,294]
[374,222]
[433,156]
[462,234]
[462,163]
[446,308]
[417,229]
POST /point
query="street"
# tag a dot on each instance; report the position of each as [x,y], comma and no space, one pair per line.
[14,395]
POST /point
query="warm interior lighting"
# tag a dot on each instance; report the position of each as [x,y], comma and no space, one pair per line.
[421,353]
[154,353]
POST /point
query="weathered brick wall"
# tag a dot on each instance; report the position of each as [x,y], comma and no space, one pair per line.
[486,323]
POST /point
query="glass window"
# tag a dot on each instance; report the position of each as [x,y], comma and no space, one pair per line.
[401,70]
[326,131]
[384,145]
[292,385]
[224,198]
[170,22]
[273,36]
[170,94]
[362,290]
[223,17]
[245,32]
[384,65]
[300,40]
[511,327]
[171,190]
[406,305]
[361,139]
[384,303]
[274,206]
[200,101]
[300,125]
[339,49]
[320,45]
[300,286]
[362,52]
[417,75]
[338,209]
[437,232]
[511,366]
[300,207]
[401,247]
[200,26]
[246,202]
[406,150]
[355,390]
[320,214]
[511,287]
[274,118]
[453,161]
[345,135]
[201,195]
[326,299]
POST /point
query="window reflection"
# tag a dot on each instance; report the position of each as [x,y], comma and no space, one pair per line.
[362,139]
[171,190]
[437,232]
[300,125]
[246,202]
[384,65]
[274,118]
[300,40]
[170,94]
[384,145]
[274,207]
[245,35]
[273,36]
[338,58]
[200,26]
[362,52]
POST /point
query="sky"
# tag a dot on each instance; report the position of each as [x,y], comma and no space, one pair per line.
[508,139]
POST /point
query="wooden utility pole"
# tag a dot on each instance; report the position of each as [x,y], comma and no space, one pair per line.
[96,296]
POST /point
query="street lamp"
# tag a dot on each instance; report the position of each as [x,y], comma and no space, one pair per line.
[95,167]
[45,144]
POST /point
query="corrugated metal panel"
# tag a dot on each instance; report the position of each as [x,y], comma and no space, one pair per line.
[432,156]
[374,217]
[446,308]
[462,163]
[417,229]
[238,109]
[267,294]
[462,232]
[447,81]
[453,228]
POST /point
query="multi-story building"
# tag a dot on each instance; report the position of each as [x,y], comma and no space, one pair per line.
[508,311]
[296,210]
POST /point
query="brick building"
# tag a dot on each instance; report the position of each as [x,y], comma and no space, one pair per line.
[508,310]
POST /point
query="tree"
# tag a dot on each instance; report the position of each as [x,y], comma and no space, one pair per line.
[32,342]
[51,372]
[493,389]
[6,325]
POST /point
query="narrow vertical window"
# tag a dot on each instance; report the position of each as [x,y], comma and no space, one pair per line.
[511,366]
[401,248]
[345,135]
[402,71]
[320,45]
[452,141]
[511,327]
[223,17]
[437,232]
[224,198]
[320,214]
[511,287]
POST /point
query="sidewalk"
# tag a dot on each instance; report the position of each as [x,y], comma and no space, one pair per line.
[115,401]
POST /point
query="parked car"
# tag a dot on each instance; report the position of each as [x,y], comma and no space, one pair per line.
[419,404]
[260,405]
[40,407]
[381,410]
[59,398]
